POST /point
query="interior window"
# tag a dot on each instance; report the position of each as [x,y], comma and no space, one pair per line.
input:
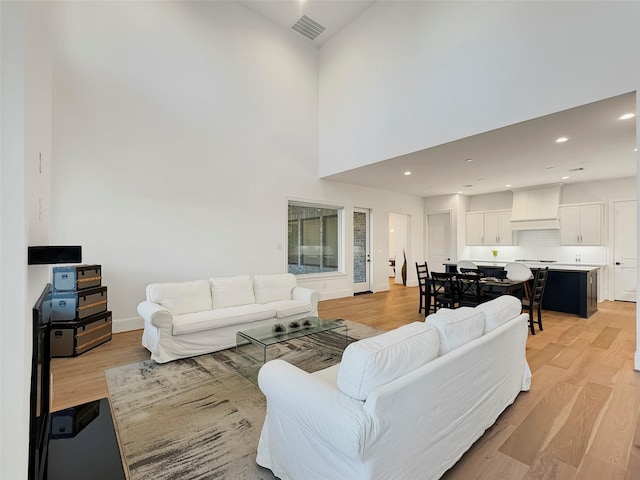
[313,238]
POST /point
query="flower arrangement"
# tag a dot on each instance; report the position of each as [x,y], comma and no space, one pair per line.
[294,324]
[494,253]
[278,327]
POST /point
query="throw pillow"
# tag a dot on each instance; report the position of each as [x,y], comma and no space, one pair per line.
[456,327]
[232,291]
[372,362]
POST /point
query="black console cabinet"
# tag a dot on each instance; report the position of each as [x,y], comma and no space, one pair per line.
[83,444]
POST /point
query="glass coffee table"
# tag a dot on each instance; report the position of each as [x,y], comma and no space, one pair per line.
[256,346]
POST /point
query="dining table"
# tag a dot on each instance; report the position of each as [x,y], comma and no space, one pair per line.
[496,287]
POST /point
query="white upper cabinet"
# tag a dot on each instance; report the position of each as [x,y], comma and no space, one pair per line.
[581,224]
[497,228]
[475,228]
[489,228]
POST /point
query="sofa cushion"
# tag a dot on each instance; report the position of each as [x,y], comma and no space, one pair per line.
[222,317]
[181,297]
[271,288]
[499,311]
[370,363]
[457,327]
[286,308]
[232,291]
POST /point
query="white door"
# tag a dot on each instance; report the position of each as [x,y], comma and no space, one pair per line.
[624,250]
[361,251]
[439,240]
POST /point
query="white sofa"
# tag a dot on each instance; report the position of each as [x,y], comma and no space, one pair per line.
[185,319]
[402,405]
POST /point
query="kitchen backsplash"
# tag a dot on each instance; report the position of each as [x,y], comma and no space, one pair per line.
[539,245]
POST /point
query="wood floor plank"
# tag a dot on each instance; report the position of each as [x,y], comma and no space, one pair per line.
[606,338]
[484,462]
[585,367]
[571,353]
[617,428]
[544,356]
[546,467]
[570,443]
[595,469]
[633,465]
[527,441]
[542,382]
[571,334]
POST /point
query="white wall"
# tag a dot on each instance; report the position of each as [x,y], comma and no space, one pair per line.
[180,131]
[25,136]
[406,76]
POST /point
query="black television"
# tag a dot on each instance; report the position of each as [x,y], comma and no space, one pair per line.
[40,387]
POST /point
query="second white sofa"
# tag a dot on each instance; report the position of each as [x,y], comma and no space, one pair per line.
[185,319]
[404,404]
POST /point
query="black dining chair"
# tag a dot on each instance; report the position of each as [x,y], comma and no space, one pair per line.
[445,290]
[424,282]
[535,299]
[470,293]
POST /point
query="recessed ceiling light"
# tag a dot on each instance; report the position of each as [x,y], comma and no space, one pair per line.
[467,186]
[561,139]
[635,149]
[550,168]
[459,191]
[627,116]
[508,185]
[565,177]
[407,172]
[469,160]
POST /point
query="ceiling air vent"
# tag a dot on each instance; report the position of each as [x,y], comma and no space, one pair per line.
[308,27]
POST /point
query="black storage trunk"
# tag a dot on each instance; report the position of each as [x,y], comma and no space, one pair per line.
[67,306]
[79,277]
[70,339]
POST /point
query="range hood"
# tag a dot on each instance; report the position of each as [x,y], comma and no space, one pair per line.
[536,208]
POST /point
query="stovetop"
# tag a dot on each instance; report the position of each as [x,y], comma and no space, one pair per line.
[528,260]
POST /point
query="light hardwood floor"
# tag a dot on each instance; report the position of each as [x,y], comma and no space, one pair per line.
[579,421]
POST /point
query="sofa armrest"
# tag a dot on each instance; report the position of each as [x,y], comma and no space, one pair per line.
[155,314]
[306,294]
[308,403]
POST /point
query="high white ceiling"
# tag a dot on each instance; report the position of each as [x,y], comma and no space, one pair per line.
[599,145]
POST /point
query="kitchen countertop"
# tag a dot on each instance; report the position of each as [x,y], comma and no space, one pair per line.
[561,266]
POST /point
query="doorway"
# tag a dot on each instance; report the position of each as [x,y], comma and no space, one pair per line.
[438,240]
[398,245]
[624,250]
[361,250]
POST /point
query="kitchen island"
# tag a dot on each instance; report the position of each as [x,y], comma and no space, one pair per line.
[570,288]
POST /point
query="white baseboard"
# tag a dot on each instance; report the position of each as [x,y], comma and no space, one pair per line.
[636,365]
[127,324]
[382,287]
[333,294]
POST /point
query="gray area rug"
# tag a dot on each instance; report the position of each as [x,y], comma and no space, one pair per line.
[198,418]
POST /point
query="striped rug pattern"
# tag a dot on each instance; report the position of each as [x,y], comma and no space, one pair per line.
[198,418]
